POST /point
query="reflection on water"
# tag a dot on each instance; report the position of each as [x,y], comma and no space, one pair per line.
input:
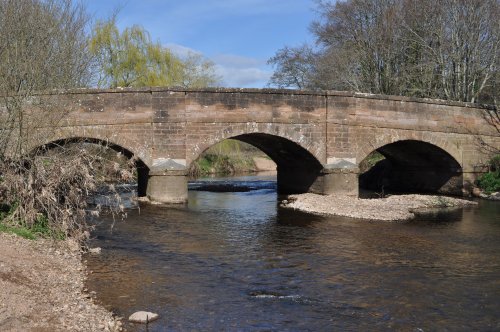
[236,261]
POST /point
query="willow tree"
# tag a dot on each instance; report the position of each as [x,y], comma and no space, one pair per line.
[131,58]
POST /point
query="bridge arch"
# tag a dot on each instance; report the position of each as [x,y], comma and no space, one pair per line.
[141,167]
[414,166]
[379,138]
[297,167]
[299,134]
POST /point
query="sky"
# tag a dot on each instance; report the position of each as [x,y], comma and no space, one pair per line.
[239,36]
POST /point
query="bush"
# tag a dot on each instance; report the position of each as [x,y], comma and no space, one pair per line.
[53,199]
[495,163]
[490,182]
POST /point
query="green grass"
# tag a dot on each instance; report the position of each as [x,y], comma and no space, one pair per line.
[20,231]
[222,164]
[40,229]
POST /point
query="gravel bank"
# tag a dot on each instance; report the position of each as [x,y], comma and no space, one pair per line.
[41,288]
[392,208]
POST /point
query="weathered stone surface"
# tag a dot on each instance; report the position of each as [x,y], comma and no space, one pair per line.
[143,317]
[304,132]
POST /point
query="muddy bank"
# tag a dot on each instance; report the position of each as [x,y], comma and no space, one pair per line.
[393,208]
[42,289]
[264,164]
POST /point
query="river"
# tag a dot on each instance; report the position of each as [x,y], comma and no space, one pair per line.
[236,261]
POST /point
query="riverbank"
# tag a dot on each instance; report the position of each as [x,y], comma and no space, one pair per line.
[392,208]
[42,288]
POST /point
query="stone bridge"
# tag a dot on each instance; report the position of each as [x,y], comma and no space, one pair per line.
[317,139]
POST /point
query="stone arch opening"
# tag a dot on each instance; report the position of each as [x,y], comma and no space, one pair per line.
[411,166]
[297,169]
[141,167]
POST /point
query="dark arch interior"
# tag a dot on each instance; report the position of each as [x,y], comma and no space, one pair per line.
[142,168]
[413,167]
[297,168]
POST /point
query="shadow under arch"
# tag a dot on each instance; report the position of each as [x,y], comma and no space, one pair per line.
[412,166]
[142,168]
[297,168]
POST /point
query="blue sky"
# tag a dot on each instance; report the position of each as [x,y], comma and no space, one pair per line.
[238,35]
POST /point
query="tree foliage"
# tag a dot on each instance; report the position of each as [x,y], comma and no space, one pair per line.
[198,72]
[444,49]
[131,58]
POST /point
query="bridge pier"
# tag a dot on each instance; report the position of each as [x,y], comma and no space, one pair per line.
[337,181]
[329,180]
[295,180]
[168,187]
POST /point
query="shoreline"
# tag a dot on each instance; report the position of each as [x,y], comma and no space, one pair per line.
[392,208]
[42,283]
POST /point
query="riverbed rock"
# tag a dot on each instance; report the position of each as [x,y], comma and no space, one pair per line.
[476,192]
[143,317]
[95,251]
[495,196]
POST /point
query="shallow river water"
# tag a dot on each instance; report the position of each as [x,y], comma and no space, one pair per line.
[238,262]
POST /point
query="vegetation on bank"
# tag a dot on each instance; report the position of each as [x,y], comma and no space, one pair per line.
[28,231]
[490,182]
[371,160]
[226,158]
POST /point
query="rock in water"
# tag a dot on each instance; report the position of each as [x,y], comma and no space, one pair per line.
[143,317]
[95,251]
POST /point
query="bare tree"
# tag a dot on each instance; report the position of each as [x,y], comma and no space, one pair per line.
[43,46]
[425,48]
[460,40]
[295,67]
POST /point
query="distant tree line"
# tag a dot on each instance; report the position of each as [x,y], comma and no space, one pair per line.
[446,49]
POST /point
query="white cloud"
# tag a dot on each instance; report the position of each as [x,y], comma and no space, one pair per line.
[242,72]
[237,61]
[180,50]
[235,70]
[250,77]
